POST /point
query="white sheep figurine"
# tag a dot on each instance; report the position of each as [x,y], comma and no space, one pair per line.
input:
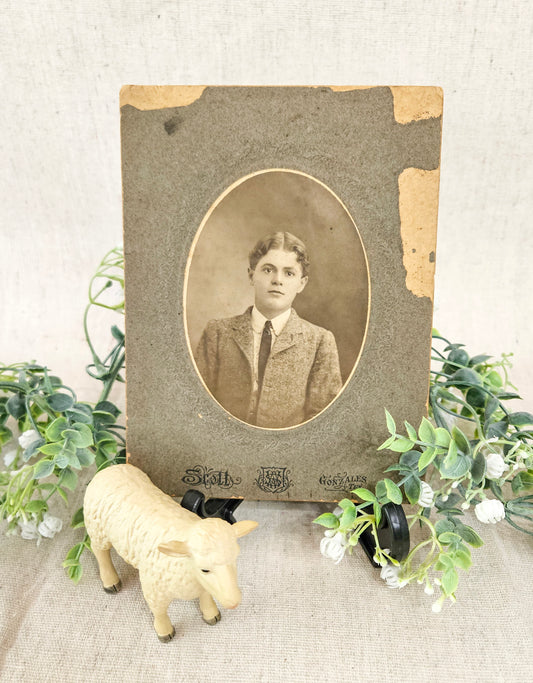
[178,554]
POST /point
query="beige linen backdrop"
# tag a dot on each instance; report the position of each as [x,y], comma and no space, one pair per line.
[302,618]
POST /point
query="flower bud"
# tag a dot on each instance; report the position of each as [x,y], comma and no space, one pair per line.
[496,466]
[425,499]
[490,511]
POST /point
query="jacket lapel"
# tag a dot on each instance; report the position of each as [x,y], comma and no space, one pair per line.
[242,334]
[289,335]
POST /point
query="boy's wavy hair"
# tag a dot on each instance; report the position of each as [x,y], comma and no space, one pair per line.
[280,240]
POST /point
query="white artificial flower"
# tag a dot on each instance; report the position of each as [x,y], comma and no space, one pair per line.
[496,465]
[465,505]
[490,511]
[389,574]
[426,495]
[9,457]
[28,437]
[429,590]
[437,606]
[28,529]
[333,545]
[50,526]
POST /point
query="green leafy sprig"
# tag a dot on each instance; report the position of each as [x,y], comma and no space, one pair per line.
[473,451]
[60,435]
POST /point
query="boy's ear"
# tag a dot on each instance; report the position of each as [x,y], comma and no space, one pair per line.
[303,282]
[250,274]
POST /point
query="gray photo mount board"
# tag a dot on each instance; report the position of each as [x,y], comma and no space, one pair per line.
[377,151]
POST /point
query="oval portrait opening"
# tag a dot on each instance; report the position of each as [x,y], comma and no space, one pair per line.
[276,299]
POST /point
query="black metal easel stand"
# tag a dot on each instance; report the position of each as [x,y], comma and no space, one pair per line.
[393,531]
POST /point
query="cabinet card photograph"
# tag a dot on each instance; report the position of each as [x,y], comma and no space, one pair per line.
[279,261]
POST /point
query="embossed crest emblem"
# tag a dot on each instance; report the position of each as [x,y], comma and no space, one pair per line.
[273,479]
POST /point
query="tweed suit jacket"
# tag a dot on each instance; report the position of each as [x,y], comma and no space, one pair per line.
[302,374]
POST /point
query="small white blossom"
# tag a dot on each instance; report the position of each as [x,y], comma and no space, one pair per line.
[28,529]
[445,498]
[50,526]
[9,457]
[28,437]
[333,545]
[437,606]
[465,505]
[496,465]
[429,590]
[389,574]
[455,484]
[426,495]
[490,511]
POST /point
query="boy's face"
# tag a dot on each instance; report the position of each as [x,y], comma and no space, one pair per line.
[277,279]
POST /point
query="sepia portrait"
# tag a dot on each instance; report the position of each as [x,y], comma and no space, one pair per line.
[276,299]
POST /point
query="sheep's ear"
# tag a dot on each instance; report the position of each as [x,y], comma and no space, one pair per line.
[174,549]
[244,527]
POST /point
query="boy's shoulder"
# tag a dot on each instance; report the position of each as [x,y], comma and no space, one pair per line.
[299,324]
[235,322]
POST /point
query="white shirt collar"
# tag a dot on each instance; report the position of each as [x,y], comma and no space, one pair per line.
[278,323]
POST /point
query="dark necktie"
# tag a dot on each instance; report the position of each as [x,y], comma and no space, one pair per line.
[264,352]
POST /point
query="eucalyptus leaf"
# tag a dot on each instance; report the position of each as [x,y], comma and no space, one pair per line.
[497,430]
[410,459]
[85,457]
[460,439]
[520,419]
[479,468]
[364,494]
[449,581]
[393,492]
[411,431]
[347,518]
[54,429]
[328,519]
[36,506]
[32,449]
[80,435]
[60,402]
[460,467]
[426,431]
[77,519]
[412,487]
[391,425]
[467,376]
[61,460]
[469,535]
[401,445]
[427,458]
[52,448]
[69,479]
[462,559]
[16,406]
[442,437]
[444,525]
[43,469]
[490,408]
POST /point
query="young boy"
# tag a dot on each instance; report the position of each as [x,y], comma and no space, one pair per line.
[268,366]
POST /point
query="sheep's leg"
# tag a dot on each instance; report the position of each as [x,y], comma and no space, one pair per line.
[108,573]
[209,609]
[162,624]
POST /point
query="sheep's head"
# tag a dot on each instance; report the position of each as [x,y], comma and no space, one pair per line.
[212,546]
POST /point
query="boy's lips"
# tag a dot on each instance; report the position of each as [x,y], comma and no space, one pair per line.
[275,291]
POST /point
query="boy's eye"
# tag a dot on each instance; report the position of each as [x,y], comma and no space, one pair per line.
[205,571]
[290,273]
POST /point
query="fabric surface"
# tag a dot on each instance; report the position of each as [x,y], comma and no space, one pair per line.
[302,618]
